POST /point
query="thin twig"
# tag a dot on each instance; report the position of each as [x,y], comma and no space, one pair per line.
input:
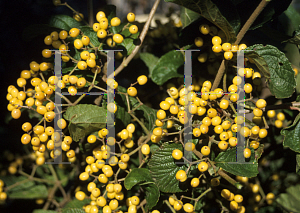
[250,21]
[239,37]
[142,37]
[90,12]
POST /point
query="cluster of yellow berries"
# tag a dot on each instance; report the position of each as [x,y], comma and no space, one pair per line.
[255,189]
[42,90]
[280,117]
[235,201]
[125,134]
[198,106]
[103,24]
[217,47]
[226,47]
[178,204]
[113,191]
[38,136]
[46,138]
[97,162]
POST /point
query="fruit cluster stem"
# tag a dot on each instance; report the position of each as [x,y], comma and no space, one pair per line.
[239,37]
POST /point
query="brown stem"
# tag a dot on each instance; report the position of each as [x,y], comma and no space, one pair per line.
[90,12]
[250,21]
[239,37]
[142,37]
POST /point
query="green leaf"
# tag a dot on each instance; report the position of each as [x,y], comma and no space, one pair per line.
[88,31]
[64,22]
[245,170]
[187,16]
[163,168]
[293,15]
[259,151]
[128,44]
[26,190]
[298,164]
[167,67]
[67,70]
[295,39]
[43,211]
[292,135]
[150,60]
[275,67]
[152,196]
[117,29]
[85,119]
[141,175]
[208,10]
[137,176]
[290,200]
[73,210]
[153,148]
[77,203]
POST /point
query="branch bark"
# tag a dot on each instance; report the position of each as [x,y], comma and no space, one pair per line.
[142,37]
[239,37]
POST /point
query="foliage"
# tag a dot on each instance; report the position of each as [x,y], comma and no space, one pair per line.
[170,141]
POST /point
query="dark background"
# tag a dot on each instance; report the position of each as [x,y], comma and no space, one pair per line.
[16,54]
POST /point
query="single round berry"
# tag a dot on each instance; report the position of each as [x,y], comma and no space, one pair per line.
[226,47]
[115,22]
[188,207]
[204,29]
[132,91]
[130,17]
[261,103]
[142,79]
[225,193]
[181,175]
[195,182]
[271,113]
[202,167]
[189,146]
[80,195]
[247,153]
[198,42]
[177,154]
[217,48]
[178,205]
[228,55]
[238,198]
[133,29]
[118,38]
[262,133]
[280,116]
[74,32]
[278,123]
[216,40]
